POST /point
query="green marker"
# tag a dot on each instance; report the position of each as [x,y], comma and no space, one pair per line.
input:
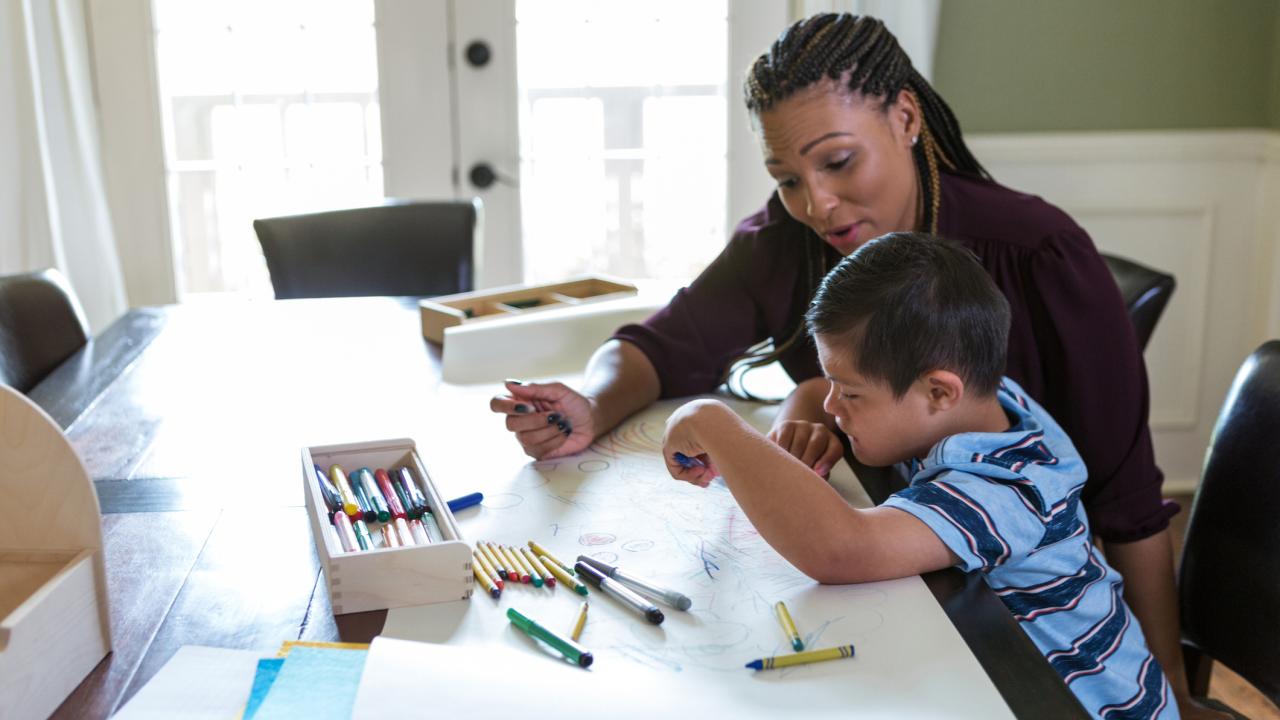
[362,499]
[362,535]
[374,494]
[564,646]
[409,510]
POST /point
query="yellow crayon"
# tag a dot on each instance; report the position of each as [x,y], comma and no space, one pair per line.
[788,626]
[536,570]
[488,568]
[339,478]
[543,553]
[579,622]
[513,575]
[804,658]
[547,577]
[483,578]
[521,574]
[568,580]
[521,563]
[493,560]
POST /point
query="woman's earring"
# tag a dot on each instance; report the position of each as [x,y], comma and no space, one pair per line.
[915,139]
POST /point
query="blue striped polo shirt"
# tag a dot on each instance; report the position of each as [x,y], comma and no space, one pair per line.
[1008,504]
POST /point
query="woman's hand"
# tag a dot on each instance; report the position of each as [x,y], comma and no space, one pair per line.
[812,443]
[550,420]
[683,453]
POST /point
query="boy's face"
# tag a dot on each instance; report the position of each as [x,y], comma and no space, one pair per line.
[883,429]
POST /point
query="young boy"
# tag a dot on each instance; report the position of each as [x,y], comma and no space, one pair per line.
[911,332]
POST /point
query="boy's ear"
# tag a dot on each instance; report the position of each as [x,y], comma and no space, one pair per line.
[945,389]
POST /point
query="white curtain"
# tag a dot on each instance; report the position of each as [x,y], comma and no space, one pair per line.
[53,211]
[913,22]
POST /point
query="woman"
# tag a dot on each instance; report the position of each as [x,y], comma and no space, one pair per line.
[861,145]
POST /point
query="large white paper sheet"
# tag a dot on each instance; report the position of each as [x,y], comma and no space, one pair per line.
[202,683]
[616,502]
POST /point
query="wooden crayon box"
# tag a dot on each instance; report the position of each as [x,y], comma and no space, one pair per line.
[54,621]
[386,577]
[448,311]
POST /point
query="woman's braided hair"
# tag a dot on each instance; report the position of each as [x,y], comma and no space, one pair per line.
[860,52]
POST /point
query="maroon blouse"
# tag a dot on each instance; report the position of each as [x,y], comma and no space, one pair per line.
[1071,345]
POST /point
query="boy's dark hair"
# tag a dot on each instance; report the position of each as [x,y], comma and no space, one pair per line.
[908,303]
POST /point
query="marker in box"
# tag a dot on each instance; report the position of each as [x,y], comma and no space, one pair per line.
[374,494]
[362,499]
[411,487]
[403,496]
[349,504]
[419,532]
[332,498]
[346,535]
[388,491]
[402,530]
[362,535]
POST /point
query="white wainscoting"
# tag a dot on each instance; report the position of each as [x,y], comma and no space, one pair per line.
[1203,206]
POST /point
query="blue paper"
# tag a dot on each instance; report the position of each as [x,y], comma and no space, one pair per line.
[268,668]
[315,683]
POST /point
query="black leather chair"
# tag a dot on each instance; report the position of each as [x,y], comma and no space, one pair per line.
[400,248]
[1229,582]
[41,324]
[1146,292]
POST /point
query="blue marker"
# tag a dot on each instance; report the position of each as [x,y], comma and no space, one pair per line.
[687,462]
[465,502]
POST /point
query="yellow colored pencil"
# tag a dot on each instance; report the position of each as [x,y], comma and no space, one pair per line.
[526,556]
[483,578]
[521,574]
[488,568]
[788,626]
[512,574]
[493,560]
[579,622]
[804,658]
[565,578]
[547,577]
[525,567]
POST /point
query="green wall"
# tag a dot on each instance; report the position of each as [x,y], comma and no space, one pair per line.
[1019,66]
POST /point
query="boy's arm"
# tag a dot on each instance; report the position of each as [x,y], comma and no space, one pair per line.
[801,516]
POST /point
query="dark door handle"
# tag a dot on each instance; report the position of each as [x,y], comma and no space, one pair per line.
[478,53]
[482,175]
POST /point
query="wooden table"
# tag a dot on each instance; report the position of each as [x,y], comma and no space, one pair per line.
[189,418]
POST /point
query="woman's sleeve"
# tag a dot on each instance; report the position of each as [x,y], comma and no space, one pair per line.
[706,326]
[1095,385]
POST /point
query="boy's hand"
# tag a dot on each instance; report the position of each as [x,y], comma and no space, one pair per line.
[683,453]
[811,442]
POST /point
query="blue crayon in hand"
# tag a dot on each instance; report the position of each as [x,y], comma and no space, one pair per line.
[687,462]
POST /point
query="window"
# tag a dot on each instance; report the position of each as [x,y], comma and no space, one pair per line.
[270,107]
[622,136]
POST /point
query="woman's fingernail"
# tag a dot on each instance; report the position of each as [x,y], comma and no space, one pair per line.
[553,418]
[513,382]
[522,408]
[822,469]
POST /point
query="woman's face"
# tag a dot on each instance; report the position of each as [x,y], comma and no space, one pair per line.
[843,164]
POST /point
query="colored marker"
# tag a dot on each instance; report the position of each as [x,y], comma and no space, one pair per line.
[411,487]
[619,592]
[371,491]
[670,597]
[687,462]
[362,535]
[526,556]
[570,649]
[346,535]
[402,530]
[563,576]
[476,556]
[394,506]
[545,555]
[332,498]
[403,496]
[547,577]
[362,499]
[419,532]
[513,575]
[513,562]
[788,626]
[497,566]
[465,502]
[804,658]
[579,622]
[485,581]
[432,527]
[389,539]
[349,504]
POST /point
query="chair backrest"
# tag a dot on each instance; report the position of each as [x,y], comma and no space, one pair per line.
[400,248]
[1229,584]
[41,324]
[1145,290]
